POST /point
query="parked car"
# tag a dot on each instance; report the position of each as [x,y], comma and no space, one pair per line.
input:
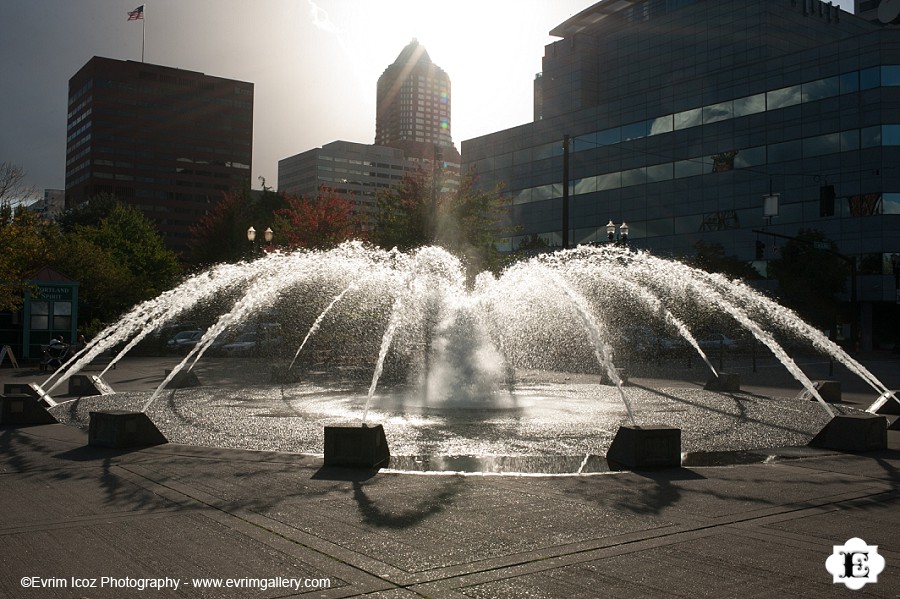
[717,340]
[184,341]
[244,345]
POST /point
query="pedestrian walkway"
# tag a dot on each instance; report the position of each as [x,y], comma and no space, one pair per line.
[80,521]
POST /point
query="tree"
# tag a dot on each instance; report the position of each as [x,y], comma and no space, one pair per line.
[88,214]
[106,286]
[26,242]
[473,223]
[810,274]
[12,184]
[116,254]
[221,235]
[133,241]
[711,258]
[322,222]
[467,221]
[405,213]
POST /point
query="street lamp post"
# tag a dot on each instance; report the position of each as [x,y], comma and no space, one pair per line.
[268,235]
[895,262]
[622,237]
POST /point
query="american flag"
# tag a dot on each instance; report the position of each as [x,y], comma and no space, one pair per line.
[137,13]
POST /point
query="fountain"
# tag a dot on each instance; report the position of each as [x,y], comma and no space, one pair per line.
[415,321]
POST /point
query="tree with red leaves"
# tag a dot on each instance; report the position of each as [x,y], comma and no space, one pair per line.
[322,222]
[221,235]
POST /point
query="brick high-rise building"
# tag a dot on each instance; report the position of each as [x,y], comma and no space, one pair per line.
[413,108]
[165,140]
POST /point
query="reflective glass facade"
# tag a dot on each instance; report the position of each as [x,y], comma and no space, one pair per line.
[684,114]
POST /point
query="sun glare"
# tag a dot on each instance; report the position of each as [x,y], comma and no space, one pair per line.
[488,49]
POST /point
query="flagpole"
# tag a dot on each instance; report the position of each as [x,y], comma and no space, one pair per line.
[135,15]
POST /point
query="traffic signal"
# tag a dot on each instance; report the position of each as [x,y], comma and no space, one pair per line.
[760,249]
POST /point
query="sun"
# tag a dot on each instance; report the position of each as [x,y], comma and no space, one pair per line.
[491,50]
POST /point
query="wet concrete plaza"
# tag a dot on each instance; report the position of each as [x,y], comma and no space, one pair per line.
[195,510]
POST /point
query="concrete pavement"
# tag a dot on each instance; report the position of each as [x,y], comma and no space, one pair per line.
[80,521]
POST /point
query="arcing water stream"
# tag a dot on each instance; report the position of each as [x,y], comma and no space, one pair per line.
[555,311]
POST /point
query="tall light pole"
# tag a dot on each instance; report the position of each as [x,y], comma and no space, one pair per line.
[565,206]
[895,262]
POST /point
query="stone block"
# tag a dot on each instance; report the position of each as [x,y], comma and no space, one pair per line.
[21,408]
[357,446]
[84,385]
[184,379]
[19,389]
[645,448]
[121,429]
[728,382]
[853,432]
[829,390]
[621,372]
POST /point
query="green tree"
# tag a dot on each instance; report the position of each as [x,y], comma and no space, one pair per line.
[467,221]
[711,258]
[117,255]
[473,223]
[405,218]
[26,244]
[106,286]
[810,275]
[88,214]
[133,241]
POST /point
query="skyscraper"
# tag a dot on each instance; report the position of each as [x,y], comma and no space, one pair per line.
[413,107]
[165,140]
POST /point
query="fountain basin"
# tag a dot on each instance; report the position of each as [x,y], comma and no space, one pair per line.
[534,427]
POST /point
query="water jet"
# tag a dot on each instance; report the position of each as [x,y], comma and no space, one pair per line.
[414,320]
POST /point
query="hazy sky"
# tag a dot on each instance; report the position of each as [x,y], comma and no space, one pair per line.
[314,64]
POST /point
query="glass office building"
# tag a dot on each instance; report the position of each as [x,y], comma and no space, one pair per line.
[683,116]
[355,172]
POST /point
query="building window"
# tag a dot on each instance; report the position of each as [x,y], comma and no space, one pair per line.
[40,315]
[62,316]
